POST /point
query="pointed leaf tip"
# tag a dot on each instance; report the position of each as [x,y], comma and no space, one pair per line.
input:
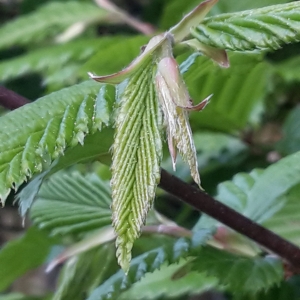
[218,55]
[137,153]
[192,19]
[199,106]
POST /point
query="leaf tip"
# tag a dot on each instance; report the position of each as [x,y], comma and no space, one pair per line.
[123,253]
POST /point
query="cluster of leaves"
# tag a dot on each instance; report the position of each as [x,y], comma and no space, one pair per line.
[75,125]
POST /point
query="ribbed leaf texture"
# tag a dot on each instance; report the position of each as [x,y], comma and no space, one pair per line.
[174,10]
[50,59]
[71,203]
[164,284]
[240,275]
[47,21]
[36,134]
[137,153]
[264,29]
[148,262]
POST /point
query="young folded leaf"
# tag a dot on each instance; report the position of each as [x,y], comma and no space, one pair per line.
[137,153]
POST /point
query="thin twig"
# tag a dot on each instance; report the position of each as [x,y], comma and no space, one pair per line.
[10,99]
[142,27]
[174,231]
[229,217]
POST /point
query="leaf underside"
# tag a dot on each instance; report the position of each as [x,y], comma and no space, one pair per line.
[36,134]
[161,284]
[148,262]
[71,203]
[137,153]
[263,29]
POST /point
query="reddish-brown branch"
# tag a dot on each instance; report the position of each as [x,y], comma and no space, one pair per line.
[229,217]
[10,99]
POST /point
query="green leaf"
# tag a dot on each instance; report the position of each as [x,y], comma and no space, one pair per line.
[264,29]
[261,194]
[148,262]
[174,10]
[23,254]
[137,153]
[288,289]
[232,5]
[48,21]
[240,275]
[82,273]
[285,221]
[36,134]
[289,69]
[290,141]
[91,150]
[163,284]
[234,103]
[70,203]
[51,59]
[274,182]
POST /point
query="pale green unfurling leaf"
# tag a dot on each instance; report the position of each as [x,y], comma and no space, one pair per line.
[154,86]
[137,153]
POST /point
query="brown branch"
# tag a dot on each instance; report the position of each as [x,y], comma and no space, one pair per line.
[10,99]
[229,217]
[203,202]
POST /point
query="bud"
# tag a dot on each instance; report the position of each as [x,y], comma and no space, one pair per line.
[175,102]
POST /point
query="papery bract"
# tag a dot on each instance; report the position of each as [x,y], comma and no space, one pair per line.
[175,102]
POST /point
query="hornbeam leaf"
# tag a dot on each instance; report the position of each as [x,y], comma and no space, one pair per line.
[161,284]
[137,153]
[263,29]
[72,203]
[150,261]
[36,134]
